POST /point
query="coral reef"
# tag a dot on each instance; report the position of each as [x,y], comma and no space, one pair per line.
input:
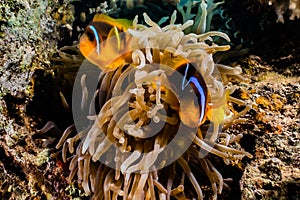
[273,127]
[28,36]
[29,33]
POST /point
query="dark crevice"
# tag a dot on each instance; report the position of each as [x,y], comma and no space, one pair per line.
[12,104]
[248,142]
[11,166]
[46,104]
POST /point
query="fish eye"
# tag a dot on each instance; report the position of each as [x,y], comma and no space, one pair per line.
[90,36]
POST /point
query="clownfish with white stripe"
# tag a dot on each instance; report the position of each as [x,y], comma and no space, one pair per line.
[194,95]
[105,44]
[104,40]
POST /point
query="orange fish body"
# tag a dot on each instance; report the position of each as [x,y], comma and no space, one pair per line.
[194,95]
[105,41]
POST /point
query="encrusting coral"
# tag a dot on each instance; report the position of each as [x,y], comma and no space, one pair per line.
[134,163]
[27,37]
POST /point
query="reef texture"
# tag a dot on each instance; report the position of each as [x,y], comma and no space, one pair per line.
[274,125]
[27,171]
[27,38]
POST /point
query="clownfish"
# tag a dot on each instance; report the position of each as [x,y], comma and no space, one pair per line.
[193,96]
[105,44]
[104,41]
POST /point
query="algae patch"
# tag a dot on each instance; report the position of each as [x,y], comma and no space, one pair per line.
[27,38]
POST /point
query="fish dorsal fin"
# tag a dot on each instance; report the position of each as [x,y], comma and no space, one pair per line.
[121,24]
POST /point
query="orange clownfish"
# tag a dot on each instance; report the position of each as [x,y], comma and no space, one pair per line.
[190,88]
[193,109]
[104,41]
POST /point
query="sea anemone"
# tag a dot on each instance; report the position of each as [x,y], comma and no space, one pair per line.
[118,156]
[203,17]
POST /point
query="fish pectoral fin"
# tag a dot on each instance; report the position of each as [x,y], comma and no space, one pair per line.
[114,38]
